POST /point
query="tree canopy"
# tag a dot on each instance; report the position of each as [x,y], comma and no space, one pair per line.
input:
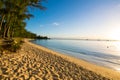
[13,14]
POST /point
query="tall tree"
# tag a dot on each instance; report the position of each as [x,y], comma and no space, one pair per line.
[14,12]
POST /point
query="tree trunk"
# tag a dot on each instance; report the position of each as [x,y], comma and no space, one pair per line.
[8,32]
[2,22]
[5,29]
[12,33]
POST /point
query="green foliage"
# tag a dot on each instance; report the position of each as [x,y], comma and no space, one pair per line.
[13,14]
[11,45]
[42,37]
[15,46]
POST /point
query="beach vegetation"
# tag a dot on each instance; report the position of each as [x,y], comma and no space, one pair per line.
[10,45]
[42,37]
[13,16]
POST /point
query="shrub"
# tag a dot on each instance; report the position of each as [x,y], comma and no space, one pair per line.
[12,45]
[15,46]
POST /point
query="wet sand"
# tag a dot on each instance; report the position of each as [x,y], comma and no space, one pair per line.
[33,62]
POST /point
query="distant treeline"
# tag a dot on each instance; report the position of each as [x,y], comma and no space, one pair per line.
[42,37]
[13,15]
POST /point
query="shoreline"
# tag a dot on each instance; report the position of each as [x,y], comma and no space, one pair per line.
[102,56]
[104,71]
[33,62]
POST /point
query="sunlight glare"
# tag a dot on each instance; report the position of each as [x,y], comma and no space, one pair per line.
[115,35]
[117,45]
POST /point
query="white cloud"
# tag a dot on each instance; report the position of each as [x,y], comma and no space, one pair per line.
[56,24]
[41,25]
[53,24]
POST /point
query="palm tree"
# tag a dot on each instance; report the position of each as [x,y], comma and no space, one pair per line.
[14,12]
[2,13]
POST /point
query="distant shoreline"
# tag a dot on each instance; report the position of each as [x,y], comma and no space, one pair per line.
[84,39]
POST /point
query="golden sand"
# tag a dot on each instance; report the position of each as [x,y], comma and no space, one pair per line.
[112,74]
[35,62]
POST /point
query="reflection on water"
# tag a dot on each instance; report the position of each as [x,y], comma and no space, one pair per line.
[117,46]
[105,53]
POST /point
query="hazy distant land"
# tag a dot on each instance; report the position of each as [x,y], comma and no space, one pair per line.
[84,39]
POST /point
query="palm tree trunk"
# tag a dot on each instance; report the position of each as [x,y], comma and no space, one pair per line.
[12,33]
[2,22]
[8,32]
[5,29]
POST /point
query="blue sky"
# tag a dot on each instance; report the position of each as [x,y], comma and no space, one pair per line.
[77,19]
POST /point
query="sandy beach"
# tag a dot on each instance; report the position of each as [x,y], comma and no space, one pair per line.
[33,62]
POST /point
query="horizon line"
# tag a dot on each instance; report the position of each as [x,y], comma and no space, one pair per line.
[86,39]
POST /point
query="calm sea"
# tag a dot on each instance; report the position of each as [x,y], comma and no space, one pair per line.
[103,53]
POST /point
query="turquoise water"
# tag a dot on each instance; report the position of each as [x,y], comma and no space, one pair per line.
[103,53]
